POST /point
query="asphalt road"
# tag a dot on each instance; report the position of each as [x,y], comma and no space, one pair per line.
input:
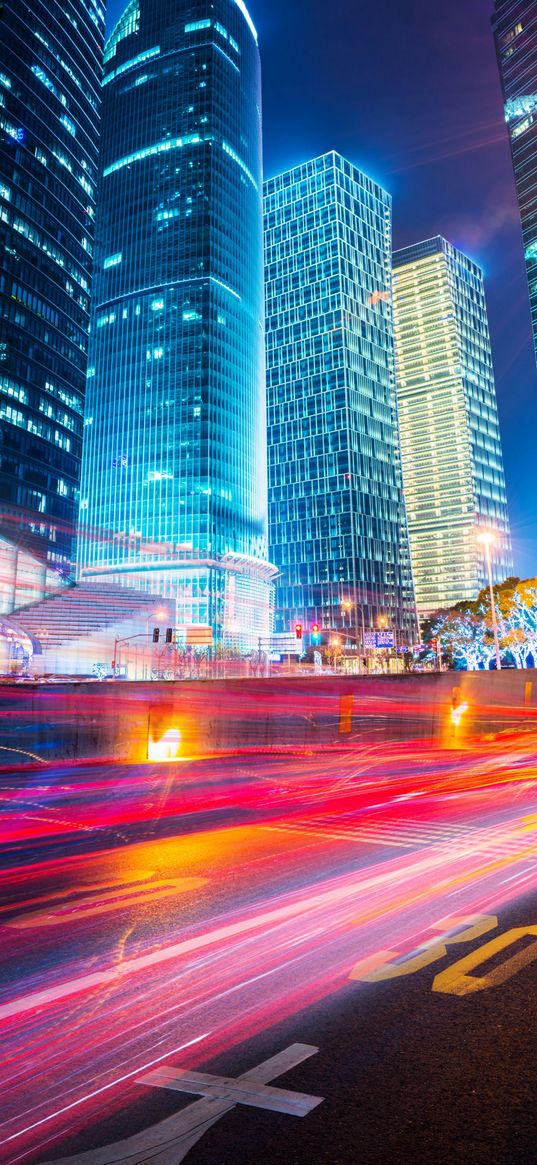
[203,918]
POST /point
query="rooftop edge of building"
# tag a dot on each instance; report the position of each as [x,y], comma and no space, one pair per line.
[424,249]
[335,156]
[117,33]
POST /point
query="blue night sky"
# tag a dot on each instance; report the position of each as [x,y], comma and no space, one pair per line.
[410,93]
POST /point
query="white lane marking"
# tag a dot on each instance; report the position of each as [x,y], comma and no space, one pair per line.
[176,1135]
[99,1091]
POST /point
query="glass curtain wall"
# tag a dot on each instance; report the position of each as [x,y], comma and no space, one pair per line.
[51,57]
[336,515]
[515,33]
[174,494]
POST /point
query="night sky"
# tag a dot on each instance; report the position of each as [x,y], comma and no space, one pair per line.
[409,91]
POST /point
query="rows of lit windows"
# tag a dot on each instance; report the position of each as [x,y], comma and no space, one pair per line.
[89,95]
[448,418]
[305,348]
[201,25]
[51,98]
[178,299]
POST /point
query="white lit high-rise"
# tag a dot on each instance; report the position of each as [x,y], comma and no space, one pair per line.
[450,437]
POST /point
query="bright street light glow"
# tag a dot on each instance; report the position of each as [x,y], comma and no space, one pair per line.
[165,749]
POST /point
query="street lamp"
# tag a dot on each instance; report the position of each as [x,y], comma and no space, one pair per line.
[347,605]
[487,539]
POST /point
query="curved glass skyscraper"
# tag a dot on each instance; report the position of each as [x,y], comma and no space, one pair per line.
[174,472]
[50,70]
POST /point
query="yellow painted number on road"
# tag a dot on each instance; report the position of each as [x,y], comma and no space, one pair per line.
[457,980]
[367,972]
[115,897]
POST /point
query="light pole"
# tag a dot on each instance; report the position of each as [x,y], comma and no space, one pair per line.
[347,605]
[487,539]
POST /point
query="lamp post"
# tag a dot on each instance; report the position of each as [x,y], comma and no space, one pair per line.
[487,539]
[347,605]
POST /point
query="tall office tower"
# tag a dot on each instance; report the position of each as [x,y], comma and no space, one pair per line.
[515,33]
[51,55]
[174,495]
[450,438]
[337,528]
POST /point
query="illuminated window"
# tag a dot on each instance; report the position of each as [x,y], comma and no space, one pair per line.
[132,64]
[68,124]
[518,106]
[113,260]
[521,127]
[197,25]
[159,148]
[513,32]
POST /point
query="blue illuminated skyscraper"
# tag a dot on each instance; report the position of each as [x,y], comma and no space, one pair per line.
[50,69]
[515,33]
[174,474]
[336,514]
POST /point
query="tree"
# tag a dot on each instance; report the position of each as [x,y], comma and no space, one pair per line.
[466,630]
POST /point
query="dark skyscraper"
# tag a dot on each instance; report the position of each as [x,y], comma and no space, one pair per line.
[515,33]
[337,523]
[174,474]
[50,70]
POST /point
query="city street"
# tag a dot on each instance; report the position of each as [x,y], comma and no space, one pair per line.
[167,929]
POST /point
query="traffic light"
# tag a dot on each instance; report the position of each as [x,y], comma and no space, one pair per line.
[169,635]
[315,634]
[156,634]
[298,630]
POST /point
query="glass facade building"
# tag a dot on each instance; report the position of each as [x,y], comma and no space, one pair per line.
[450,437]
[337,529]
[51,57]
[515,33]
[174,492]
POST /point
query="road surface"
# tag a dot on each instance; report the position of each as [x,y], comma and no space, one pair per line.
[351,933]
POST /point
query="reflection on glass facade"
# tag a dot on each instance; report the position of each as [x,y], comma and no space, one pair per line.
[50,68]
[450,437]
[174,472]
[515,33]
[337,527]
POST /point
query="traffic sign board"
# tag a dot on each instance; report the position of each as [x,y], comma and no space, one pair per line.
[379,639]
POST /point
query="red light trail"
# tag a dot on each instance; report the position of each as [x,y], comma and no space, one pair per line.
[297,872]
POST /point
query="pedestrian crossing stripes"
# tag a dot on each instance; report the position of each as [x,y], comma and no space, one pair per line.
[409,833]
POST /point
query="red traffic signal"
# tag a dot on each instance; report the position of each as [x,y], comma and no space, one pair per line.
[298,630]
[315,628]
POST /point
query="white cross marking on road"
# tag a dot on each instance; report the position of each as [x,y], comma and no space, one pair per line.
[228,1088]
[176,1135]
